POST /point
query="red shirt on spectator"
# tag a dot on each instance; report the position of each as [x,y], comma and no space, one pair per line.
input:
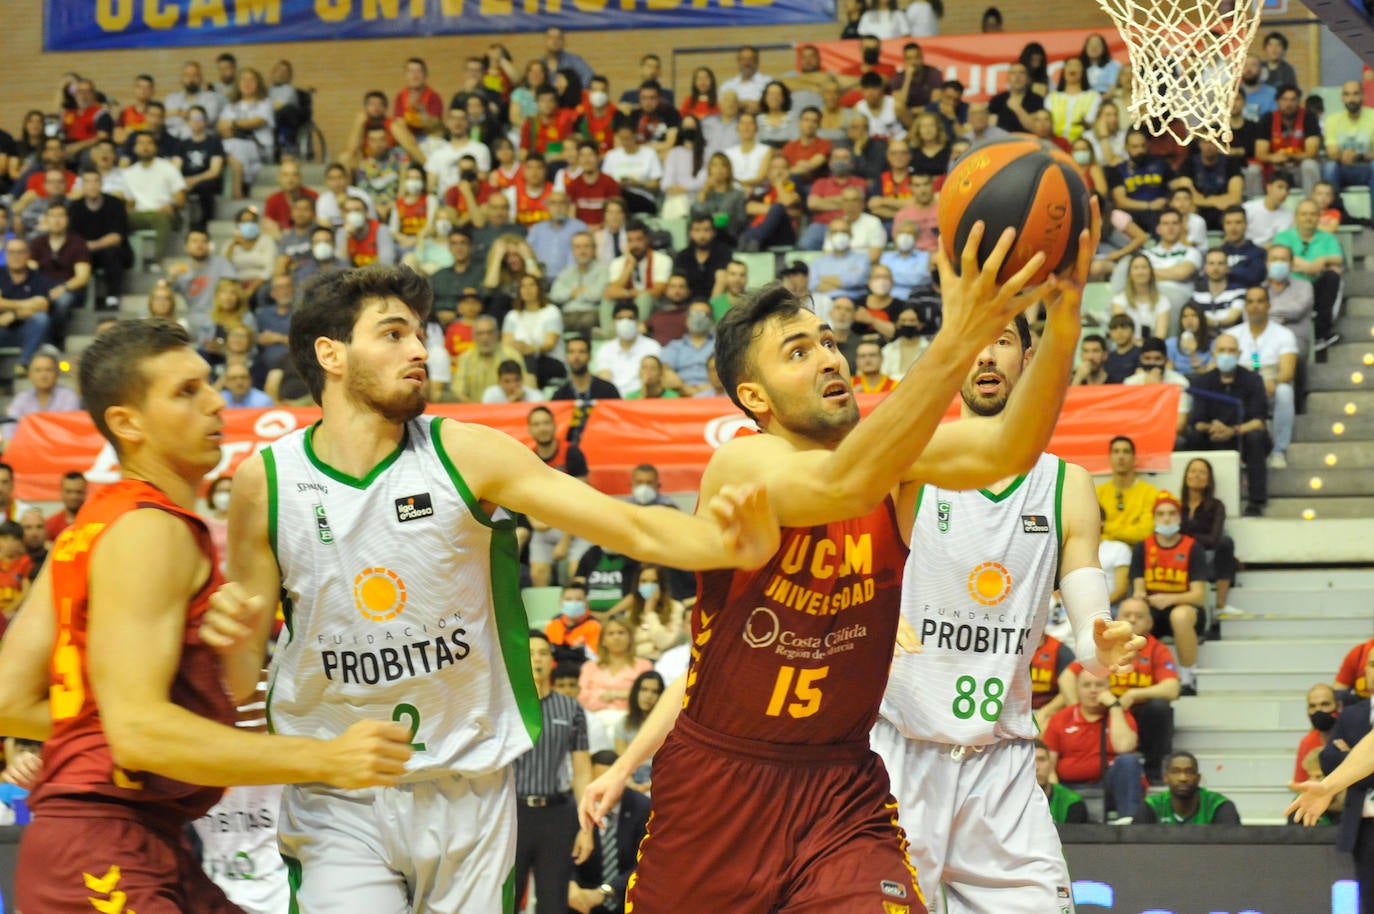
[59,266]
[458,202]
[565,632]
[363,251]
[833,187]
[1044,670]
[1352,668]
[56,524]
[1154,664]
[889,186]
[860,384]
[1078,741]
[547,135]
[410,111]
[529,207]
[600,129]
[1313,740]
[698,108]
[80,125]
[14,573]
[590,197]
[131,118]
[500,180]
[412,216]
[458,338]
[927,219]
[796,151]
[35,183]
[278,206]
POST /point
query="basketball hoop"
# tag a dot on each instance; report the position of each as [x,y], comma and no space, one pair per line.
[1186,61]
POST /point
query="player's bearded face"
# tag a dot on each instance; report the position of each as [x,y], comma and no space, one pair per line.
[384,389]
[810,412]
[989,382]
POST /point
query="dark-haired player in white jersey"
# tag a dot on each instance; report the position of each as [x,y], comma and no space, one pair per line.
[956,730]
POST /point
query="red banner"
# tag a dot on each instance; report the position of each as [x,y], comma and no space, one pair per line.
[978,61]
[677,436]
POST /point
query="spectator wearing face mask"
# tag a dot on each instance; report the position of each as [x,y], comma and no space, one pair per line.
[363,240]
[1154,369]
[1323,708]
[907,344]
[688,354]
[841,270]
[909,266]
[619,361]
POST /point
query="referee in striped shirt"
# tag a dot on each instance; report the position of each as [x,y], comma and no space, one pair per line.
[547,838]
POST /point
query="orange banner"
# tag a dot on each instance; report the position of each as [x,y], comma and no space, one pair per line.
[978,61]
[677,436]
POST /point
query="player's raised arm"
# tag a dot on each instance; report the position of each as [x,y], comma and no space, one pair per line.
[738,530]
[25,655]
[1103,646]
[136,627]
[973,453]
[239,621]
[601,794]
[810,484]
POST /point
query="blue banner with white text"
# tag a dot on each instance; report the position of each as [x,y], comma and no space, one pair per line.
[88,25]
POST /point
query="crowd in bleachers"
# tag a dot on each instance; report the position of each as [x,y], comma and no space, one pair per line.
[583,239]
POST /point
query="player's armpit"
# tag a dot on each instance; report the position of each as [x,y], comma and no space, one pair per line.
[25,654]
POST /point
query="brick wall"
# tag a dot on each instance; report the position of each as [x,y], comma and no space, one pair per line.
[342,71]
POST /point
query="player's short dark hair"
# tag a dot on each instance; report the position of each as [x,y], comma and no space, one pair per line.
[1177,754]
[566,671]
[11,528]
[605,757]
[737,330]
[1023,331]
[536,633]
[872,80]
[73,475]
[111,372]
[1280,38]
[1235,208]
[1130,442]
[1120,320]
[1153,344]
[508,367]
[330,304]
[1284,89]
[576,584]
[537,409]
[1097,338]
[651,84]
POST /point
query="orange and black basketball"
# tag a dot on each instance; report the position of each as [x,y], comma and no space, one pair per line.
[1021,182]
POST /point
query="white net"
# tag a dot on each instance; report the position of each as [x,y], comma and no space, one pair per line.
[1186,61]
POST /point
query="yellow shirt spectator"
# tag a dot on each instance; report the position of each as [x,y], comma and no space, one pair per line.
[1129,512]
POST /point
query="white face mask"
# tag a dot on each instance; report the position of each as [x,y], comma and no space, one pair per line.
[906,242]
[598,99]
[644,494]
[322,250]
[220,500]
[1082,156]
[354,219]
[443,227]
[880,286]
[414,185]
[626,329]
[839,241]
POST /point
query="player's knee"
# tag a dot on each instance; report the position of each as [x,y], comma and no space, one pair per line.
[1183,616]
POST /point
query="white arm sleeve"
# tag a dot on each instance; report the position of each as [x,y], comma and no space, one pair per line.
[1086,599]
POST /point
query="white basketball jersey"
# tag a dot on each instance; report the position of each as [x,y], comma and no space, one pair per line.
[239,836]
[976,589]
[402,603]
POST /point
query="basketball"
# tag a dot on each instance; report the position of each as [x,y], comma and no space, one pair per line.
[1023,183]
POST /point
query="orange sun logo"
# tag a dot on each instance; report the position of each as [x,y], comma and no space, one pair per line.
[989,583]
[379,594]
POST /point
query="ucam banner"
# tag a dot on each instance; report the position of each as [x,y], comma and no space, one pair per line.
[980,61]
[677,436]
[88,25]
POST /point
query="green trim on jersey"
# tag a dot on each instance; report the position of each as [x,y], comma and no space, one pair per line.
[1061,798]
[1059,519]
[293,881]
[1209,801]
[340,476]
[508,893]
[920,494]
[1005,493]
[512,624]
[269,466]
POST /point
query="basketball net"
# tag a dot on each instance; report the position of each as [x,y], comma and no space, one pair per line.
[1186,61]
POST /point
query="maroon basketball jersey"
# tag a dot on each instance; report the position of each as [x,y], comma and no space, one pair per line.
[77,760]
[798,651]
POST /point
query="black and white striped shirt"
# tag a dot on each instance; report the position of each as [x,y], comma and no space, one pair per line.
[544,770]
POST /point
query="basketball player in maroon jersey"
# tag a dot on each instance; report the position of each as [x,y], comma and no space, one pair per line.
[767,797]
[106,664]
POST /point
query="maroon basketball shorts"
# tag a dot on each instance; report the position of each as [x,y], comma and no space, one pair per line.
[83,856]
[758,828]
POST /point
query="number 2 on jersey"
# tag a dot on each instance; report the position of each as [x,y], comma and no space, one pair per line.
[411,716]
[807,694]
[966,703]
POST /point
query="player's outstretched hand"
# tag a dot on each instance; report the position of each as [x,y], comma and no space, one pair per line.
[232,619]
[748,524]
[371,753]
[1064,291]
[977,307]
[1117,645]
[908,642]
[600,798]
[1313,798]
